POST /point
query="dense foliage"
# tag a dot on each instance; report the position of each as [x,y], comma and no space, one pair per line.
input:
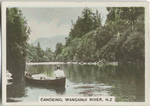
[120,39]
[88,21]
[37,54]
[17,34]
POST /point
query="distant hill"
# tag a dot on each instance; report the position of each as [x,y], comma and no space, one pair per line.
[50,42]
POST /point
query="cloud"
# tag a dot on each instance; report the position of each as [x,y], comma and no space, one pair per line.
[46,29]
[64,14]
[47,22]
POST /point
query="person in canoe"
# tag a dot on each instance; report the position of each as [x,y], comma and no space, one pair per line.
[27,74]
[59,73]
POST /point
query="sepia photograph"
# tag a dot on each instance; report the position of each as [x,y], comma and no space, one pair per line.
[63,53]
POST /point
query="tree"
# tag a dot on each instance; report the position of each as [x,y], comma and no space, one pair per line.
[49,54]
[120,39]
[129,32]
[17,33]
[85,23]
[124,13]
[40,52]
[59,48]
[36,53]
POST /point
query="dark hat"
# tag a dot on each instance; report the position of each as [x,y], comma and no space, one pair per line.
[58,66]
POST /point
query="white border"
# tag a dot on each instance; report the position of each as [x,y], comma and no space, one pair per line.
[74,4]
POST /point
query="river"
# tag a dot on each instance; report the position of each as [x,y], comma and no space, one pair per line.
[125,82]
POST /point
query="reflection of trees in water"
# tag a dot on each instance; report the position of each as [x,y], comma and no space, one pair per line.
[57,89]
[129,85]
[89,73]
[16,90]
[44,69]
[41,69]
[140,83]
[17,72]
[127,80]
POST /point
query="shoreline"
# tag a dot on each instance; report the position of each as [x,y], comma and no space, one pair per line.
[46,63]
[90,63]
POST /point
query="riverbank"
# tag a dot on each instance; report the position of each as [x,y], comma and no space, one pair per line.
[90,63]
[46,63]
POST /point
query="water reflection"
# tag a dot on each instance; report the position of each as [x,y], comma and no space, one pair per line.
[129,83]
[58,90]
[125,82]
[16,90]
[90,73]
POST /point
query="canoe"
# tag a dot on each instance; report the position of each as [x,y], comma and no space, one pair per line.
[45,81]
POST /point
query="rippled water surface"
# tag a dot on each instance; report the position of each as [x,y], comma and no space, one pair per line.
[125,82]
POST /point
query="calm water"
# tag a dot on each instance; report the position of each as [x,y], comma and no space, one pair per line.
[125,82]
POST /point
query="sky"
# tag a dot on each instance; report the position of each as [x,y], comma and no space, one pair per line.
[49,22]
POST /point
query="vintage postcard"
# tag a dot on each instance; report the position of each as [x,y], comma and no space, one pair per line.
[75,53]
